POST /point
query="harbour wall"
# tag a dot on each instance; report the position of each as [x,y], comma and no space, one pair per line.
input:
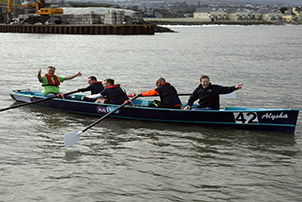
[94,29]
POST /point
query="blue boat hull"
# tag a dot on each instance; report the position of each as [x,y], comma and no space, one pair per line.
[281,120]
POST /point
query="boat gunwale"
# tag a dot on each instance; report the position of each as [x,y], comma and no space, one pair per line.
[225,109]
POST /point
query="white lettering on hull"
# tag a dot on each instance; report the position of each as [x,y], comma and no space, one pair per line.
[274,116]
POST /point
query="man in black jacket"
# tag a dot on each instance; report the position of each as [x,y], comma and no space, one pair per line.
[95,86]
[208,94]
[112,94]
[167,93]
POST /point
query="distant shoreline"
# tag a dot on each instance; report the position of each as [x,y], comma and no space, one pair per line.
[160,22]
[192,21]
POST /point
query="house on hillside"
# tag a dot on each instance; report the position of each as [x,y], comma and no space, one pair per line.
[211,14]
[203,14]
[219,14]
[160,13]
[237,15]
[272,16]
[288,16]
[255,15]
[298,13]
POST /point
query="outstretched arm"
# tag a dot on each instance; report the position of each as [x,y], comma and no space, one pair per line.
[149,93]
[239,86]
[72,76]
[226,90]
[39,75]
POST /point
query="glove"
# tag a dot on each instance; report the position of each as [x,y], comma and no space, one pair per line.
[81,89]
[128,102]
[131,95]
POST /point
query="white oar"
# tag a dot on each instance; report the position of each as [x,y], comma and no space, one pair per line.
[74,137]
[229,95]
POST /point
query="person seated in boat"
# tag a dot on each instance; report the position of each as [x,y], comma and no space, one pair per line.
[51,82]
[208,94]
[94,87]
[112,94]
[167,93]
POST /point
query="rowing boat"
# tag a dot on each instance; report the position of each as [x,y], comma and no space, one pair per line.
[278,120]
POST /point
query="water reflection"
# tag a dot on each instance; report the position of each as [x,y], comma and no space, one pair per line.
[71,155]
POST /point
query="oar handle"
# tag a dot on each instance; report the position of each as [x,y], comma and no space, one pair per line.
[36,101]
[108,114]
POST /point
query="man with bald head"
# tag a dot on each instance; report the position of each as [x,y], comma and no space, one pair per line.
[167,93]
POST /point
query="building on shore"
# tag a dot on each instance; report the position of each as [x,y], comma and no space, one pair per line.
[236,15]
[207,14]
[272,16]
[204,14]
[298,13]
[86,15]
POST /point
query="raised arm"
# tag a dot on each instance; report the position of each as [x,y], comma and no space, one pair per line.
[39,75]
[73,76]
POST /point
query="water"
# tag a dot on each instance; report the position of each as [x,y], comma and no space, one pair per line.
[120,160]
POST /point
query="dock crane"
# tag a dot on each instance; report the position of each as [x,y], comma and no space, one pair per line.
[9,11]
[42,13]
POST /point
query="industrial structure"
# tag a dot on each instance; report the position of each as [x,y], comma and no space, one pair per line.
[36,16]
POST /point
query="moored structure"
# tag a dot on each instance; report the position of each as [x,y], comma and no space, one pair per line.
[80,29]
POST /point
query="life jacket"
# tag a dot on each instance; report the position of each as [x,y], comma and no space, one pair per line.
[114,94]
[51,83]
[96,87]
[168,95]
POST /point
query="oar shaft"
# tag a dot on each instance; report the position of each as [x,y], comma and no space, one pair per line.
[36,101]
[229,95]
[108,114]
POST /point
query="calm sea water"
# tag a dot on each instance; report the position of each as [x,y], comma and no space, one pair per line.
[120,160]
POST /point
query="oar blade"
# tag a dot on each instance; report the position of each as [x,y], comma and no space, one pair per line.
[72,138]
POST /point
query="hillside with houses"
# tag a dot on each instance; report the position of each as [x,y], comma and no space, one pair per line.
[191,12]
[214,14]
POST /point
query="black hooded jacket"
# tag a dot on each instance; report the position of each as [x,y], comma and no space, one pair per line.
[95,88]
[209,97]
